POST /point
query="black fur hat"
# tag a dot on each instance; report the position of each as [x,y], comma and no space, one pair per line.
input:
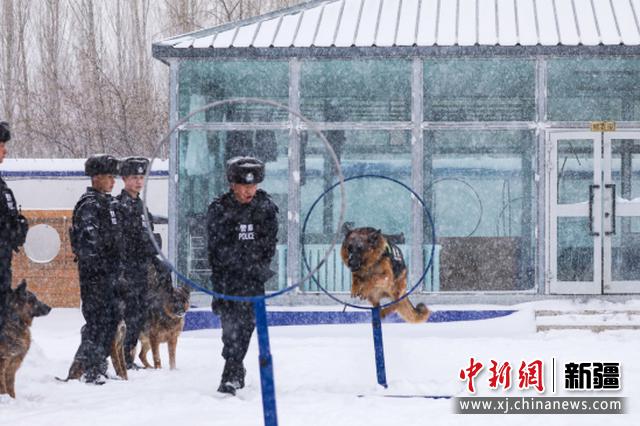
[133,166]
[245,170]
[5,133]
[101,164]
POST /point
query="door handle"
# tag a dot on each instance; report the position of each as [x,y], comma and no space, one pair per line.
[612,186]
[591,188]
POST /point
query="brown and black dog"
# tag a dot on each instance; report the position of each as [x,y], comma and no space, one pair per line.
[21,306]
[378,271]
[165,318]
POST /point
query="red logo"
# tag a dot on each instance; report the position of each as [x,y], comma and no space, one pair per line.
[530,375]
[470,373]
[500,375]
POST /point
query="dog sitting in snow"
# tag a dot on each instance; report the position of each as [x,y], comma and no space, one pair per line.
[165,317]
[378,271]
[21,306]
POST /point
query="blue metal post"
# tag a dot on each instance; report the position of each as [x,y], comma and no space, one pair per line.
[378,346]
[266,366]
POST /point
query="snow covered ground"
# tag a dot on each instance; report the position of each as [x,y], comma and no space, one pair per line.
[320,371]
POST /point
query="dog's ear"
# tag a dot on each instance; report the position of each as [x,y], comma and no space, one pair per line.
[22,288]
[347,228]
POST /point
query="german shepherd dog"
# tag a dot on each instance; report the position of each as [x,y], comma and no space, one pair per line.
[378,271]
[165,318]
[21,306]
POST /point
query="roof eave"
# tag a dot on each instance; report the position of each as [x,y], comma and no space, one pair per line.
[162,52]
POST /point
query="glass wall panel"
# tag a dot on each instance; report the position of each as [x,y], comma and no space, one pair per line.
[625,168]
[479,186]
[586,89]
[201,178]
[203,82]
[356,90]
[479,90]
[370,202]
[625,247]
[575,249]
[625,242]
[575,170]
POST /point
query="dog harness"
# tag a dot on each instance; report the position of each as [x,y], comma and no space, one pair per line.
[394,253]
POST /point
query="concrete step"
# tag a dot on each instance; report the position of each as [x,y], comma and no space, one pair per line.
[588,319]
[544,313]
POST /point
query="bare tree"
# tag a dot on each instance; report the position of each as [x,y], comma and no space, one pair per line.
[77,76]
[7,48]
[184,15]
[233,10]
[49,102]
[21,16]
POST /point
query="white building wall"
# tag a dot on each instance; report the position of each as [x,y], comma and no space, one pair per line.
[57,184]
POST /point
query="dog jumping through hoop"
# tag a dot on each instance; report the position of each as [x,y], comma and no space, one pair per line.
[378,271]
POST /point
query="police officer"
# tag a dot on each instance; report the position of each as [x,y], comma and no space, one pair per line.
[242,228]
[95,235]
[13,225]
[138,251]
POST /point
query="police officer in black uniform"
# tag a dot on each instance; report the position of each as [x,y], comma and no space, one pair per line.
[95,239]
[242,228]
[13,225]
[138,251]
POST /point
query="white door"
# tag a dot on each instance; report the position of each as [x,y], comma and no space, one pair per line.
[593,219]
[621,215]
[575,215]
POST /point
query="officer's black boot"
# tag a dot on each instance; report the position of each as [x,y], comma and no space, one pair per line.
[104,366]
[226,387]
[232,377]
[225,381]
[239,373]
[133,366]
[93,376]
[128,359]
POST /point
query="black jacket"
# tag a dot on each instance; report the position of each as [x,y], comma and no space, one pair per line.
[95,232]
[136,244]
[13,226]
[241,241]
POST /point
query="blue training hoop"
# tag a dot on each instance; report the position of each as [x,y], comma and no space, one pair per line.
[426,269]
[311,126]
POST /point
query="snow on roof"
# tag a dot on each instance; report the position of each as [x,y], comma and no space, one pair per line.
[381,23]
[59,167]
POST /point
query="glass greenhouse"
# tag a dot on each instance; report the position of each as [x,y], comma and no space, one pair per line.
[517,122]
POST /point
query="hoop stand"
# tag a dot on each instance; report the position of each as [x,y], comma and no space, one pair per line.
[378,346]
[266,365]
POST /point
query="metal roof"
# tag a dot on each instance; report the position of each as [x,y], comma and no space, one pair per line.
[426,23]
